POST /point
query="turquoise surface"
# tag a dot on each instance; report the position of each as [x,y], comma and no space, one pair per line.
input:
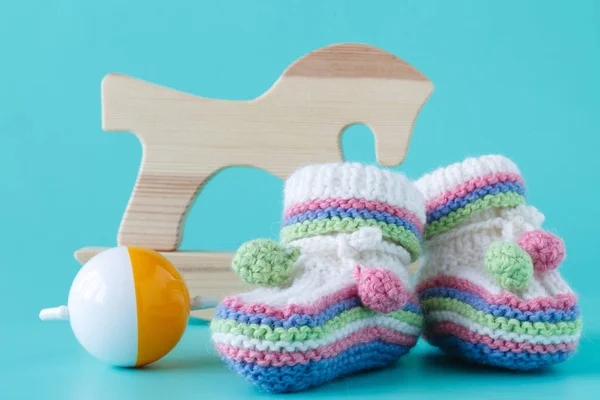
[518,78]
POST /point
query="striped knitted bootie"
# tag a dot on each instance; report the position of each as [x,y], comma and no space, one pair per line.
[488,283]
[335,295]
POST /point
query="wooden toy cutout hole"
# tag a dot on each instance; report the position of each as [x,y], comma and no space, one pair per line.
[298,121]
[366,138]
[237,204]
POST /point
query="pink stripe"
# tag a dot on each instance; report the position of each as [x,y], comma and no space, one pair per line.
[287,311]
[445,328]
[278,359]
[357,204]
[475,183]
[561,301]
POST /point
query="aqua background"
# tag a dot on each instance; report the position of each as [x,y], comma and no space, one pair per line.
[518,78]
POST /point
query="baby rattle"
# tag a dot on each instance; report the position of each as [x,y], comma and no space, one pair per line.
[128,306]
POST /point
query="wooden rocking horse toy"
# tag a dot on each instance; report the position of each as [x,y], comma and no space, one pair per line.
[186,139]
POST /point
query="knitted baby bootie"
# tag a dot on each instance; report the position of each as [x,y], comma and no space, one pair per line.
[488,284]
[335,295]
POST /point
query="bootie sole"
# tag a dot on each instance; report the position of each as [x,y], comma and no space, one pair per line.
[501,330]
[296,347]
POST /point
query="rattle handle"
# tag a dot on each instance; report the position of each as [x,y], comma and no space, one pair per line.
[55,313]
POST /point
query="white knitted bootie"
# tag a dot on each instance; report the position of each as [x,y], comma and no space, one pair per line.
[488,284]
[336,296]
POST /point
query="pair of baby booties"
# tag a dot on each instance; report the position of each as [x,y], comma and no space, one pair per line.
[336,296]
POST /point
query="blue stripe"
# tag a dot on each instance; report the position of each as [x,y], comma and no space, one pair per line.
[548,315]
[483,354]
[460,202]
[302,376]
[298,320]
[341,212]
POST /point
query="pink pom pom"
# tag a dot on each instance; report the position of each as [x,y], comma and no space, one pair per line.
[546,250]
[380,289]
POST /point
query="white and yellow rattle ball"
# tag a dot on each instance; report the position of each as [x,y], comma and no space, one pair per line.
[128,306]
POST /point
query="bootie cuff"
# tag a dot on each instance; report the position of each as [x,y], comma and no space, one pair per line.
[455,193]
[344,197]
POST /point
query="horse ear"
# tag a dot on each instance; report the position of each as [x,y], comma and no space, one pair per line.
[377,89]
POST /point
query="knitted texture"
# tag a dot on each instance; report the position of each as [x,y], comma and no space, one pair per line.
[489,288]
[509,265]
[337,296]
[344,197]
[379,289]
[546,250]
[264,262]
[455,193]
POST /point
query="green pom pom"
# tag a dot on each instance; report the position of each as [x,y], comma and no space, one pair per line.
[510,266]
[264,262]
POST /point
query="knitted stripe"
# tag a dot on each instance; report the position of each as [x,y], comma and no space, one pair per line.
[549,315]
[279,358]
[297,320]
[363,213]
[314,308]
[500,332]
[397,234]
[476,194]
[356,204]
[235,303]
[508,325]
[379,325]
[450,329]
[303,376]
[560,301]
[483,354]
[311,333]
[352,181]
[509,199]
[444,180]
[476,183]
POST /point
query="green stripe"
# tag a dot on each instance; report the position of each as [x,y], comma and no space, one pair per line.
[393,232]
[505,324]
[507,199]
[302,333]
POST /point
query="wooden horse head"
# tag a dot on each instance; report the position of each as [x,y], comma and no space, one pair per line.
[186,139]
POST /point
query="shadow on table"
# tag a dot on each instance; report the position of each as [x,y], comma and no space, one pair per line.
[195,351]
[193,362]
[439,362]
[198,322]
